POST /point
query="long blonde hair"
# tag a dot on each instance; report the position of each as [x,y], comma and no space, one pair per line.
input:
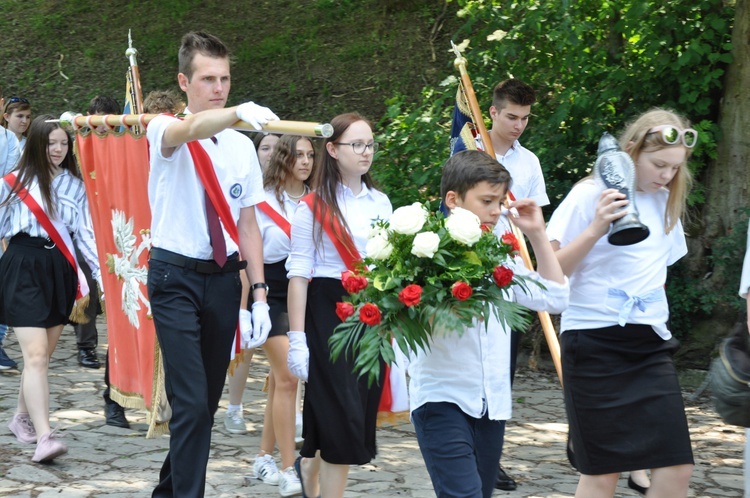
[636,139]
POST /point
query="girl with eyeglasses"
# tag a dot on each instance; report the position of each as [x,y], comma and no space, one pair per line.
[340,409]
[16,117]
[43,209]
[622,395]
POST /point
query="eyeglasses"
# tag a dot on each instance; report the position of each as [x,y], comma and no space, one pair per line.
[671,135]
[359,147]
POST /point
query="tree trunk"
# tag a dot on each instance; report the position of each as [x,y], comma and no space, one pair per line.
[727,180]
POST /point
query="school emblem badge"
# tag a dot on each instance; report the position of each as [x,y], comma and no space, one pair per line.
[235,191]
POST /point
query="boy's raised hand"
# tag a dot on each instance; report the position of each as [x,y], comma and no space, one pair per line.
[530,219]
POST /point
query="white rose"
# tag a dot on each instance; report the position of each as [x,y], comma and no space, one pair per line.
[425,244]
[408,220]
[378,247]
[464,226]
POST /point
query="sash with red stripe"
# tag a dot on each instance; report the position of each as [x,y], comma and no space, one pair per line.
[335,231]
[350,255]
[207,174]
[63,242]
[276,217]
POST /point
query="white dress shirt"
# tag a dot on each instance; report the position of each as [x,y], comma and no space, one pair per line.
[745,282]
[526,173]
[618,284]
[473,370]
[177,196]
[276,243]
[308,260]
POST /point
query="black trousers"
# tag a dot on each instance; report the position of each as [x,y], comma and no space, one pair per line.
[195,316]
[86,334]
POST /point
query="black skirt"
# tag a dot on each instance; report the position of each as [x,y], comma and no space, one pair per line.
[278,285]
[623,400]
[38,286]
[340,410]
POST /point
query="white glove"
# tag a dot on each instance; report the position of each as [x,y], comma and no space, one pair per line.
[261,324]
[246,328]
[255,115]
[298,360]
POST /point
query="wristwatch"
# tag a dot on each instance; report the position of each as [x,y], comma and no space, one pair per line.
[259,285]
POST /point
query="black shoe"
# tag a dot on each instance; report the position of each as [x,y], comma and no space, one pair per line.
[87,358]
[504,482]
[115,415]
[636,487]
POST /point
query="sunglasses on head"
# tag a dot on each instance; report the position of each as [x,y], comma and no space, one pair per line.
[15,100]
[672,135]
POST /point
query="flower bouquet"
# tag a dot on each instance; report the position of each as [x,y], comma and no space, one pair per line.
[424,274]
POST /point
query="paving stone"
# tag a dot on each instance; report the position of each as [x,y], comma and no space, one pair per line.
[122,463]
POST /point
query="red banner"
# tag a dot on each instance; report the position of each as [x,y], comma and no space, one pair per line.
[115,169]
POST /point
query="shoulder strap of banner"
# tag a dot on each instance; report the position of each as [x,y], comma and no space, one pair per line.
[207,175]
[335,230]
[276,217]
[65,244]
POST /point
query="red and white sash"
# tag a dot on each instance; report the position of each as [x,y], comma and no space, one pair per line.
[205,168]
[394,397]
[276,217]
[58,233]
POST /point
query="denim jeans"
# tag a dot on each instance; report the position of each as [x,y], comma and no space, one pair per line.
[459,451]
[3,333]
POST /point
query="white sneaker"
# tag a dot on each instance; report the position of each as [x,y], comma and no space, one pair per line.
[234,423]
[265,469]
[289,483]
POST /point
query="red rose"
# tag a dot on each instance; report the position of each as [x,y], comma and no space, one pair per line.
[502,275]
[511,240]
[485,227]
[461,291]
[410,295]
[344,310]
[369,314]
[353,283]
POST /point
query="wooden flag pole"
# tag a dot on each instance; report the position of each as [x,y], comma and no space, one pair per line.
[549,329]
[304,128]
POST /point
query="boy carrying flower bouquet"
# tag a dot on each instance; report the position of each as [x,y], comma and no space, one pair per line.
[460,393]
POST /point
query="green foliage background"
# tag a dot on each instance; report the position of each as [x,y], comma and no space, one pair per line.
[595,64]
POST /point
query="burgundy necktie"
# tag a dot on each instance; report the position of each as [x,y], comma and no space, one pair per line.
[215,233]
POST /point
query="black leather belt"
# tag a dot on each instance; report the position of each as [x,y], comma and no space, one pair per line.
[208,266]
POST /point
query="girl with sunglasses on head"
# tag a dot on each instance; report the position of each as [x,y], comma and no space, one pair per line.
[16,117]
[340,407]
[43,209]
[622,395]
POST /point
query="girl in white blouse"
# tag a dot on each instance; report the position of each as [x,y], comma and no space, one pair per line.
[285,181]
[38,283]
[622,395]
[340,410]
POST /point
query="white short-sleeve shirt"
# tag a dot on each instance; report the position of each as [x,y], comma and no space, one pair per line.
[745,282]
[618,280]
[473,370]
[177,196]
[526,173]
[309,260]
[276,243]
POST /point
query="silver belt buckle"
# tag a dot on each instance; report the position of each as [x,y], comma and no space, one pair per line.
[49,241]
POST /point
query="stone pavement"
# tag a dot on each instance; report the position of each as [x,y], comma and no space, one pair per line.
[120,463]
